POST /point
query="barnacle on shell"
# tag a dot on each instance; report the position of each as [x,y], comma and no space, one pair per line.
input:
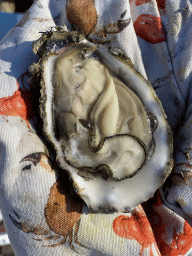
[104,121]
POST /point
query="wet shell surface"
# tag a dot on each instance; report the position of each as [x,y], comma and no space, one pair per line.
[104,121]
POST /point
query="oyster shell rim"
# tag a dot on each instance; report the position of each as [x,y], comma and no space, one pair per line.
[102,53]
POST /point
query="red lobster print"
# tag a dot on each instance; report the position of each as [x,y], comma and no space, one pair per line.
[20,103]
[160,4]
[150,28]
[163,221]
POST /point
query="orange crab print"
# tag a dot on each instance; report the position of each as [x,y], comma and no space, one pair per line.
[20,103]
[83,15]
[62,212]
[164,222]
[137,228]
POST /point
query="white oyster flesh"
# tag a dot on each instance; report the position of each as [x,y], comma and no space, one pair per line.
[98,117]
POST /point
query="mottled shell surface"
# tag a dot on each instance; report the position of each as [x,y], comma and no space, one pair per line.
[103,119]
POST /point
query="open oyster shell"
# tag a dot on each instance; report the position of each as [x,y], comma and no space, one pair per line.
[104,121]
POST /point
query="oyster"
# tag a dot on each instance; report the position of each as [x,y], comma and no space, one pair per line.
[104,121]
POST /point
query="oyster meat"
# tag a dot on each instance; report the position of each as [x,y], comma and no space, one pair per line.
[104,121]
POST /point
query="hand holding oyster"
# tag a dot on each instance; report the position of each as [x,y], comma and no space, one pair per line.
[104,121]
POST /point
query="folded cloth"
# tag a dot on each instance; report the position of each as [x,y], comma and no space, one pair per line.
[40,217]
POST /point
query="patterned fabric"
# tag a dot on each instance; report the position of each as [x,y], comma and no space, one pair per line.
[40,216]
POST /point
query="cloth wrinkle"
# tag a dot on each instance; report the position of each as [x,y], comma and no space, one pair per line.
[40,215]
